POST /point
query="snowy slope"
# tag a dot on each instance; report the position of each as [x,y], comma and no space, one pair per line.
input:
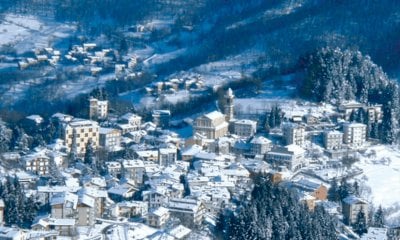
[381,166]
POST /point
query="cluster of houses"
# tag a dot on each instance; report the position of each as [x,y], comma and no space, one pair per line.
[174,85]
[96,59]
[169,185]
[45,56]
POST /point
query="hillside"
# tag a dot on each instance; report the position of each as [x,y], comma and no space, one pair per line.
[218,40]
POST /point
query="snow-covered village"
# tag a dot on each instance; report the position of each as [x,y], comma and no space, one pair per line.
[191,120]
[120,177]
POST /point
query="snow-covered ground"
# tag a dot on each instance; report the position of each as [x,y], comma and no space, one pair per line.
[162,58]
[177,97]
[285,8]
[381,166]
[289,106]
[131,231]
[25,32]
[68,89]
[84,85]
[231,68]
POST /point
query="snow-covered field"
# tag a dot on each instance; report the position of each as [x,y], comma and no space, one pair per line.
[26,33]
[162,58]
[289,106]
[381,166]
[229,69]
[284,9]
[84,85]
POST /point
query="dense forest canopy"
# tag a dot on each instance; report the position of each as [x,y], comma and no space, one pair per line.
[335,75]
[274,212]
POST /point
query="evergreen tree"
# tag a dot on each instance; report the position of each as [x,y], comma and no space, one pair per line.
[388,123]
[123,46]
[271,118]
[333,192]
[360,225]
[356,189]
[361,116]
[267,129]
[19,209]
[5,137]
[353,115]
[20,140]
[89,158]
[379,218]
[344,189]
[55,176]
[50,132]
[278,116]
[30,208]
[183,180]
[73,155]
[275,117]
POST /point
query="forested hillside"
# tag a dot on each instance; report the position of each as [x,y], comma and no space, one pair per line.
[286,29]
[275,33]
[333,75]
[275,213]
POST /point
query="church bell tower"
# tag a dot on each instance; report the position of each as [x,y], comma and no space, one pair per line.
[228,104]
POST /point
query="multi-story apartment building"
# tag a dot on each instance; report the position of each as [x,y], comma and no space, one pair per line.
[98,109]
[189,211]
[355,134]
[63,205]
[78,132]
[211,125]
[155,197]
[374,112]
[110,138]
[244,128]
[158,218]
[37,163]
[167,156]
[260,145]
[134,169]
[351,206]
[294,134]
[161,118]
[132,119]
[130,209]
[114,168]
[333,140]
[291,156]
[86,211]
